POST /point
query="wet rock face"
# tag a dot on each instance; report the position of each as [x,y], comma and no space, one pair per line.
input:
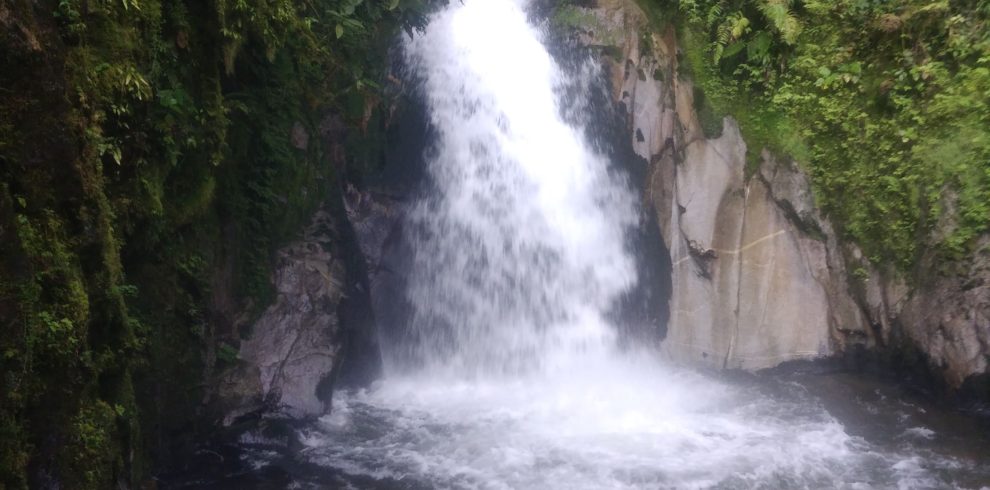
[289,361]
[758,278]
[376,221]
[321,332]
[374,217]
[759,275]
[949,317]
[752,289]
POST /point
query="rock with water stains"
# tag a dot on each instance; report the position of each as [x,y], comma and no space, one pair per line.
[760,276]
[757,273]
[761,293]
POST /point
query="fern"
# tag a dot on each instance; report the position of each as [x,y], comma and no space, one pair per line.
[715,13]
[729,32]
[781,18]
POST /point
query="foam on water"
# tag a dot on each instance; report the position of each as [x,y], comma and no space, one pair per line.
[628,423]
[508,375]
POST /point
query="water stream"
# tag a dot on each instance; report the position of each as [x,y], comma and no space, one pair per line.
[509,374]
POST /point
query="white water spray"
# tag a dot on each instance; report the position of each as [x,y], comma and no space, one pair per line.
[520,249]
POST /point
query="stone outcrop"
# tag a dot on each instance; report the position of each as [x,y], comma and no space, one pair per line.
[759,275]
[290,359]
[951,318]
[946,316]
[321,332]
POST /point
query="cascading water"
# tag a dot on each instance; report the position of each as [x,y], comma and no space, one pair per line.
[520,249]
[508,375]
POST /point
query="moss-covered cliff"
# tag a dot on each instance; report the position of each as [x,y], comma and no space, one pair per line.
[886,107]
[878,113]
[153,153]
[886,103]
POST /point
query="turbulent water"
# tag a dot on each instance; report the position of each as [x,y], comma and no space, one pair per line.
[508,374]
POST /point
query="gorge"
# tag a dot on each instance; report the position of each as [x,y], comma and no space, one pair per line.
[530,258]
[507,367]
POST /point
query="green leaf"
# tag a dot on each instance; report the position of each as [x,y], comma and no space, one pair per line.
[733,49]
[392,4]
[759,46]
[340,31]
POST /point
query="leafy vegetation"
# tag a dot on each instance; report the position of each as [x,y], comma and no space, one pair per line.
[886,103]
[153,153]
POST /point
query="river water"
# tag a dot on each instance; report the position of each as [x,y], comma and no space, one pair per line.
[509,373]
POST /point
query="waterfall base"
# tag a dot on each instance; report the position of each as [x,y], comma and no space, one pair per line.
[660,428]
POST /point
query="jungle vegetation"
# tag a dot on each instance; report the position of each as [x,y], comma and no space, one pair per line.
[153,153]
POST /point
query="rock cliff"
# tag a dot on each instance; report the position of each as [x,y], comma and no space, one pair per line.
[760,276]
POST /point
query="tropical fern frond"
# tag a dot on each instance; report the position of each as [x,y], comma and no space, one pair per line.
[778,13]
[728,32]
[715,13]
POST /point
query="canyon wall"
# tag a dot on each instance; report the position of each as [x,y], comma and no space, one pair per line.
[760,276]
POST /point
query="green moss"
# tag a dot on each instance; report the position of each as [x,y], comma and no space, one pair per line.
[90,454]
[147,174]
[659,13]
[570,16]
[895,138]
[762,125]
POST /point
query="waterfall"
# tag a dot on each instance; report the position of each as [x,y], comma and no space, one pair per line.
[520,247]
[507,374]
